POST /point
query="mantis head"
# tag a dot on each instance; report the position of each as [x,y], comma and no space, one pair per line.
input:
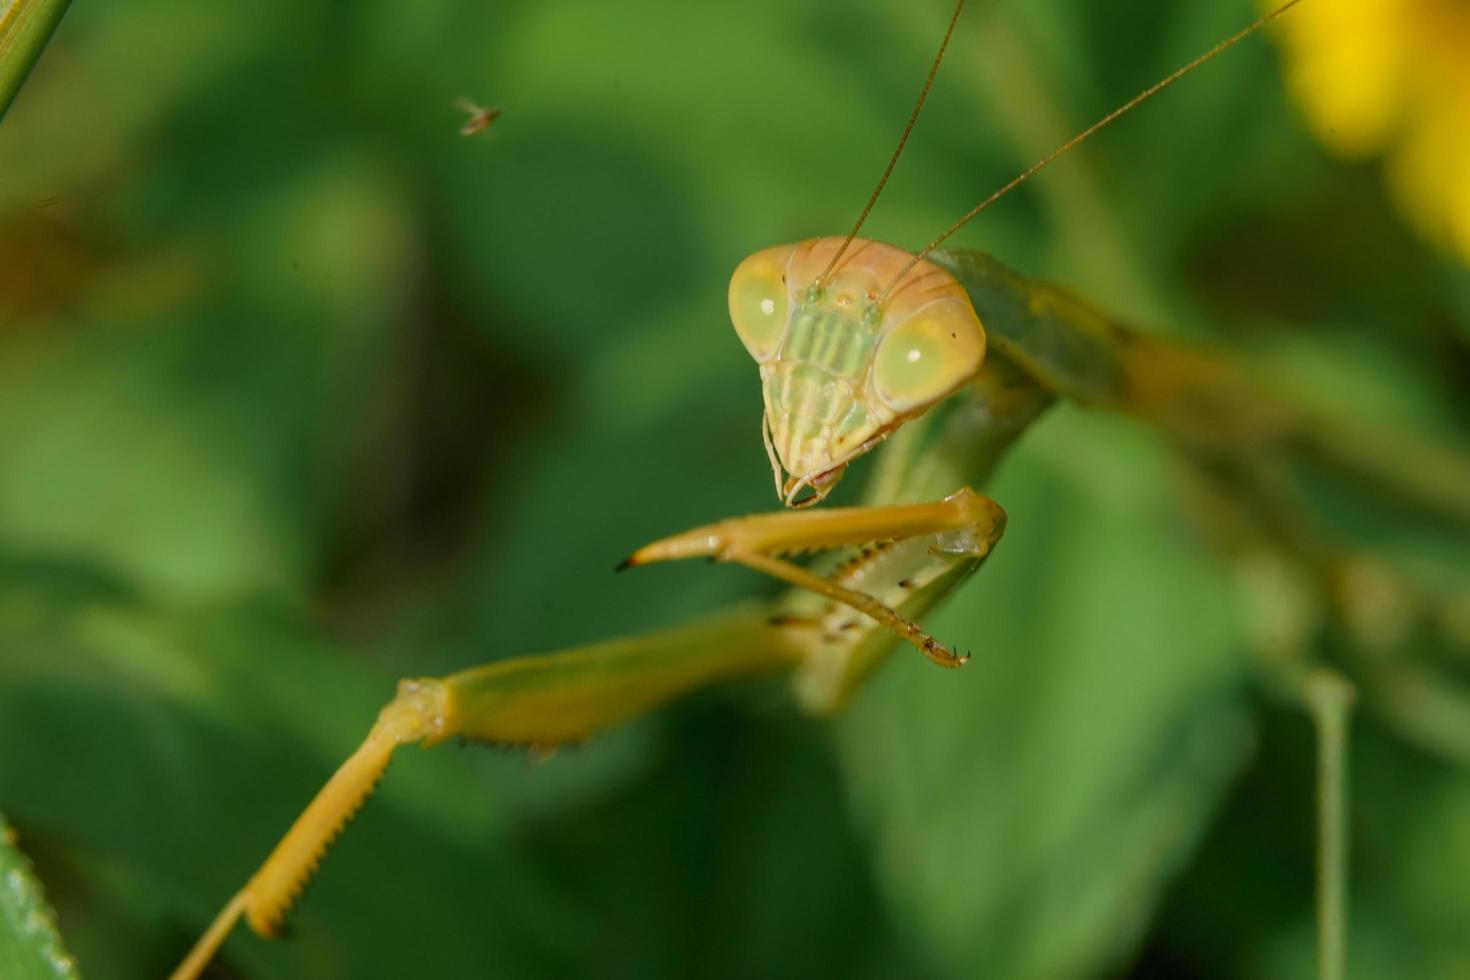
[855,338]
[847,355]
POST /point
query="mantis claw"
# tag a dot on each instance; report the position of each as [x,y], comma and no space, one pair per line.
[960,528]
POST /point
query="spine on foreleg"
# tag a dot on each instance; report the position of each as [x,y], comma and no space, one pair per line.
[909,577]
[416,713]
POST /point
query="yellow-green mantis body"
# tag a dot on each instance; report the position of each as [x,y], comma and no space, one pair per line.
[842,381]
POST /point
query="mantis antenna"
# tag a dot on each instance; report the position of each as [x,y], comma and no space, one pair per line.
[1026,174]
[902,139]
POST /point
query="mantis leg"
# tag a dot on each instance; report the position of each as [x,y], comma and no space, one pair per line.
[539,701]
[417,713]
[962,527]
[1203,401]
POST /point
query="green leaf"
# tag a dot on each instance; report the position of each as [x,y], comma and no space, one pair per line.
[30,946]
[1027,813]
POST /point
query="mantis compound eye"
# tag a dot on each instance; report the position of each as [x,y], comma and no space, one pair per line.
[929,354]
[760,301]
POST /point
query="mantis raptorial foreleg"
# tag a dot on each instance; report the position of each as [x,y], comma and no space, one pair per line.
[962,527]
[538,702]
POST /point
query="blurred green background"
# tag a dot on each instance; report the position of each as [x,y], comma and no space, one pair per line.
[301,391]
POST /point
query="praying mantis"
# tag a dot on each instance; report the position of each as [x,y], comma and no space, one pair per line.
[941,360]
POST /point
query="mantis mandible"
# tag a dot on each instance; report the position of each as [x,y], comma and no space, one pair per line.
[942,357]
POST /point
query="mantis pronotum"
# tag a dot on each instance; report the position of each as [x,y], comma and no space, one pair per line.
[1041,343]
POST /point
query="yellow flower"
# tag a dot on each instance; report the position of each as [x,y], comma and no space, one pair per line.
[1392,77]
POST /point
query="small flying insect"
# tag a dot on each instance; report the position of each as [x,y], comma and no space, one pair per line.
[480,117]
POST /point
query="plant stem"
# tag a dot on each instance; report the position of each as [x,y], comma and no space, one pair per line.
[1329,698]
[25,27]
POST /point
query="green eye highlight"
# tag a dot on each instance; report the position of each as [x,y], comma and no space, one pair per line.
[929,355]
[760,301]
